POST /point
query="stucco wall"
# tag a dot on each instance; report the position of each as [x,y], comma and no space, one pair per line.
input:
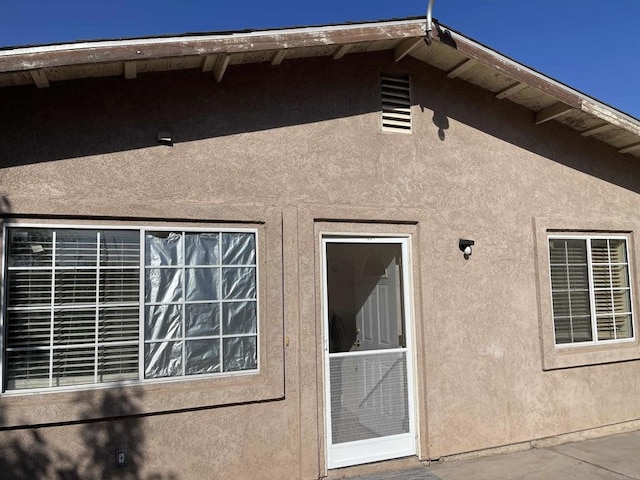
[284,146]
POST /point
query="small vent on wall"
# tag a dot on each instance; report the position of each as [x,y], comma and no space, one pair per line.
[396,103]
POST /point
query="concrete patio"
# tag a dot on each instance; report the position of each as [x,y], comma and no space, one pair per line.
[615,457]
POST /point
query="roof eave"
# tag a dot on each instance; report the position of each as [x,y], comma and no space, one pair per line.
[215,51]
[47,56]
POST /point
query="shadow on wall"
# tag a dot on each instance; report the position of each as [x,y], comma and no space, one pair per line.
[92,453]
[26,456]
[104,441]
[461,102]
[97,116]
[442,122]
[5,204]
[102,115]
[91,447]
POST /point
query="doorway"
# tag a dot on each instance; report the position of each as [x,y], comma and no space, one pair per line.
[367,350]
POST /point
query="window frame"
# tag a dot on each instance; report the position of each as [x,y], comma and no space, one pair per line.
[592,302]
[140,229]
[580,355]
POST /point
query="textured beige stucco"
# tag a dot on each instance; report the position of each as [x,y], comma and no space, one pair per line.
[293,150]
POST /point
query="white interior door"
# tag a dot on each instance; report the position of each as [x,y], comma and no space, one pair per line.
[368,368]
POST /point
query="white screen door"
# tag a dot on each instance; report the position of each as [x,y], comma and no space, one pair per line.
[367,351]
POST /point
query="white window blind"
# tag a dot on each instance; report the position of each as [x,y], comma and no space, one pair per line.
[77,300]
[590,289]
[72,307]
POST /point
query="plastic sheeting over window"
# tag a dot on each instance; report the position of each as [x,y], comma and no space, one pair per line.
[200,303]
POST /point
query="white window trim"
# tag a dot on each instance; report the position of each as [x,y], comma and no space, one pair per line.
[594,327]
[141,228]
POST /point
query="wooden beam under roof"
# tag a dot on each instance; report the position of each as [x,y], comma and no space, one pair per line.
[341,51]
[222,62]
[460,68]
[278,57]
[130,70]
[602,127]
[554,111]
[630,148]
[511,90]
[209,62]
[405,47]
[39,78]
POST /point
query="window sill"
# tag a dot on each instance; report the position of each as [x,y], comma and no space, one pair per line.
[577,356]
[49,407]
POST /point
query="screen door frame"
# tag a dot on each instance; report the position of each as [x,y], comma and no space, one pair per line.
[380,448]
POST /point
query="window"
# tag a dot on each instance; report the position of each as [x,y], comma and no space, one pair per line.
[590,290]
[93,306]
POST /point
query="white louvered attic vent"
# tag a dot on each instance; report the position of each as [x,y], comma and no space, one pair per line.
[396,103]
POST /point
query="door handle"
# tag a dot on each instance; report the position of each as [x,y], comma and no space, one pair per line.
[357,343]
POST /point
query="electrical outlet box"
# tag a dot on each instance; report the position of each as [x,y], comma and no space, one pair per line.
[121,458]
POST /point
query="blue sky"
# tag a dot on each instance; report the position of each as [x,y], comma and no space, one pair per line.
[592,46]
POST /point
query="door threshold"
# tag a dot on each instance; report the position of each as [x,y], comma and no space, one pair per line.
[395,465]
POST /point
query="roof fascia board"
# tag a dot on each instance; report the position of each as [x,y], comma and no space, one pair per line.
[201,38]
[28,58]
[611,116]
